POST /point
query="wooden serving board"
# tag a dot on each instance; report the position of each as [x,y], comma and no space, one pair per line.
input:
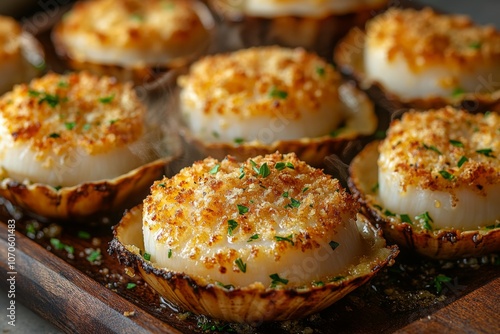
[65,274]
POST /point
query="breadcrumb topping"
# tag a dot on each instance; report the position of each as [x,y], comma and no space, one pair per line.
[154,26]
[266,206]
[261,81]
[443,149]
[10,33]
[59,113]
[424,37]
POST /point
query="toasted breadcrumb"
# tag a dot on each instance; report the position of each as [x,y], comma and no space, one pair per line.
[444,149]
[424,38]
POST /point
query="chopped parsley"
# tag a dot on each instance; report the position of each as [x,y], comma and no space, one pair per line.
[56,243]
[70,125]
[242,209]
[57,188]
[333,244]
[318,284]
[161,185]
[320,70]
[486,152]
[215,134]
[231,226]
[51,99]
[426,220]
[432,148]
[225,286]
[86,126]
[389,213]
[285,194]
[263,170]
[113,121]
[293,203]
[137,17]
[462,160]
[239,140]
[446,175]
[287,239]
[169,253]
[253,237]
[63,84]
[475,45]
[283,165]
[337,278]
[375,188]
[94,256]
[241,265]
[458,91]
[406,219]
[242,172]
[131,286]
[456,143]
[439,280]
[83,235]
[107,99]
[305,189]
[147,256]
[215,169]
[276,279]
[336,132]
[278,94]
[54,135]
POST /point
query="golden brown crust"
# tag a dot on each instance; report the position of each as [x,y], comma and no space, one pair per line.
[294,201]
[424,37]
[153,26]
[262,81]
[444,149]
[58,113]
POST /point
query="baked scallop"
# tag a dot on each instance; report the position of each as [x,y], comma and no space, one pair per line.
[74,145]
[315,25]
[21,56]
[422,59]
[133,39]
[434,182]
[270,238]
[259,100]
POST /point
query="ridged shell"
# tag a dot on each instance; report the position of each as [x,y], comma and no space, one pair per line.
[360,123]
[251,304]
[438,244]
[349,57]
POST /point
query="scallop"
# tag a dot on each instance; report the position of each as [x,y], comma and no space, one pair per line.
[267,239]
[314,25]
[259,100]
[433,183]
[422,59]
[74,145]
[21,56]
[133,39]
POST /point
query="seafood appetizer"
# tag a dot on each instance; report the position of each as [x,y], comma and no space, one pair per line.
[71,145]
[271,238]
[21,56]
[315,25]
[434,182]
[132,38]
[260,100]
[423,59]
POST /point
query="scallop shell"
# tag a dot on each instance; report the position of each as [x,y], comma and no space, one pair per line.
[314,34]
[437,244]
[360,123]
[146,75]
[250,304]
[349,57]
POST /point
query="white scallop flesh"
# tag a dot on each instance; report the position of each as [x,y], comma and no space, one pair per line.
[463,210]
[440,80]
[299,267]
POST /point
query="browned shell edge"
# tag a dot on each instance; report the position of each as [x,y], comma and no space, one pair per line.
[89,200]
[262,304]
[349,57]
[150,78]
[440,244]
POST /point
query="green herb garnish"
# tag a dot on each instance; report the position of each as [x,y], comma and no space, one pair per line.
[242,209]
[276,279]
[305,189]
[287,239]
[457,92]
[231,226]
[215,169]
[432,148]
[241,265]
[426,219]
[285,194]
[406,219]
[475,45]
[253,237]
[456,143]
[334,244]
[264,170]
[146,256]
[95,255]
[56,243]
[439,280]
[169,253]
[278,94]
[239,140]
[54,135]
[225,286]
[446,175]
[70,125]
[83,235]
[86,126]
[318,284]
[293,203]
[131,286]
[107,99]
[486,152]
[462,160]
[320,70]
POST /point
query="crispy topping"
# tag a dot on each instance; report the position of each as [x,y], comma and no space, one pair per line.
[444,149]
[197,208]
[426,38]
[59,113]
[261,81]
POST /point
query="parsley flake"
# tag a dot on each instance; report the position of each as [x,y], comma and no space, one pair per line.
[253,237]
[439,280]
[169,253]
[225,286]
[406,219]
[475,45]
[70,125]
[131,286]
[458,91]
[462,160]
[242,209]
[278,94]
[241,265]
[147,256]
[426,220]
[287,239]
[54,135]
[264,170]
[94,256]
[285,194]
[83,235]
[293,203]
[107,99]
[276,279]
[432,148]
[231,226]
[447,175]
[320,70]
[456,143]
[239,140]
[215,169]
[486,152]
